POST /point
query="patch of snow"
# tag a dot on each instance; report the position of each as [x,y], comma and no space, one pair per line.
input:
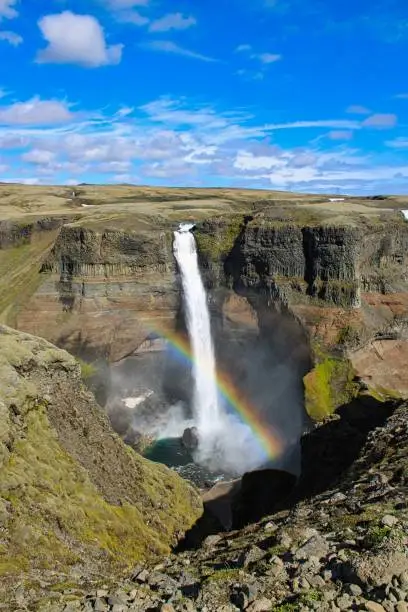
[132,402]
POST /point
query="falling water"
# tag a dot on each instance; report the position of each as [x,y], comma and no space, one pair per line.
[207,412]
[222,436]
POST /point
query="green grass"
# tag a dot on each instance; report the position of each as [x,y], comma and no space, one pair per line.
[328,386]
[225,575]
[58,518]
[303,599]
[344,521]
[20,274]
[217,241]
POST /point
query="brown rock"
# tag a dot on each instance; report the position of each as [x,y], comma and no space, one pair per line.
[372,606]
[260,605]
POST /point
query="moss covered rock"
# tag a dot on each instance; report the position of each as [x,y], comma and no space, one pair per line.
[328,386]
[216,237]
[71,493]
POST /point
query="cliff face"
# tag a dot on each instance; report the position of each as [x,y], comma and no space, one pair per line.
[314,261]
[23,245]
[346,285]
[305,264]
[104,290]
[71,493]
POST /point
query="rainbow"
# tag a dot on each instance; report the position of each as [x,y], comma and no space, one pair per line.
[269,440]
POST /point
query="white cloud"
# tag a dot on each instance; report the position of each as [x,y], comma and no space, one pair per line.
[402,96]
[38,156]
[125,11]
[7,9]
[242,48]
[264,58]
[115,166]
[20,180]
[278,169]
[12,142]
[133,17]
[251,75]
[381,121]
[171,112]
[119,5]
[36,112]
[267,58]
[356,109]
[76,39]
[398,143]
[168,46]
[11,37]
[340,135]
[325,123]
[172,21]
[175,141]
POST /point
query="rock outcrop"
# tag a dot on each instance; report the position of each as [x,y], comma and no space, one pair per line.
[73,497]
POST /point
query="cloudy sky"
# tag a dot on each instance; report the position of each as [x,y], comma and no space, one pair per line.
[286,94]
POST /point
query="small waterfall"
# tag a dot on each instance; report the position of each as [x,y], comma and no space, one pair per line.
[207,412]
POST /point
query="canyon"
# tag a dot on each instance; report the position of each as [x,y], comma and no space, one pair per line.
[95,274]
[308,301]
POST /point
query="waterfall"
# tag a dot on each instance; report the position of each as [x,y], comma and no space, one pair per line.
[225,443]
[207,412]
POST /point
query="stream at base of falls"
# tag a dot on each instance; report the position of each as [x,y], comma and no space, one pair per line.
[173,453]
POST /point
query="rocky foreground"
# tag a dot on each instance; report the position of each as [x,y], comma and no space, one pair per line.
[344,548]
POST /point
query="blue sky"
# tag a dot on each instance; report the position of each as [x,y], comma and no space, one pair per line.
[283,94]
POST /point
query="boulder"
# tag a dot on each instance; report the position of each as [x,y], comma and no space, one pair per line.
[190,438]
[261,491]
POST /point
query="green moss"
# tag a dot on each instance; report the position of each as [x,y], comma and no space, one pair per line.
[388,394]
[348,335]
[310,596]
[58,518]
[216,242]
[303,599]
[344,521]
[60,587]
[87,369]
[225,575]
[376,535]
[278,549]
[328,386]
